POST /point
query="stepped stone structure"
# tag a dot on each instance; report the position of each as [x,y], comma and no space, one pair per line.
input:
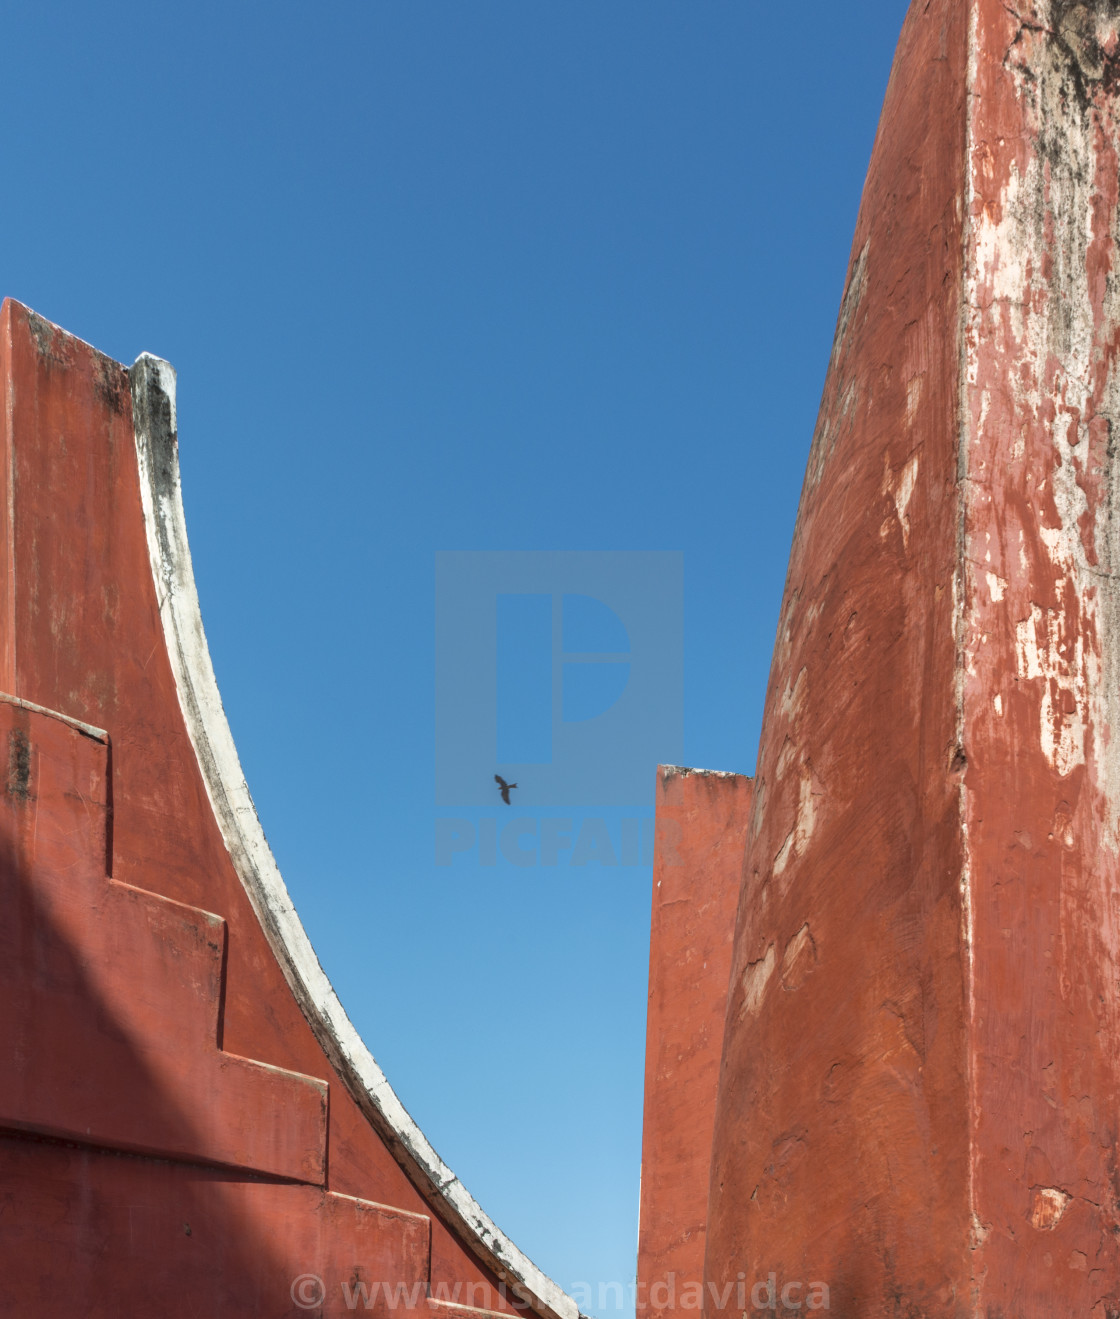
[189,1125]
[918,1101]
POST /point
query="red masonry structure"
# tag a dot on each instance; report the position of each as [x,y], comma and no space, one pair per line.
[918,1105]
[918,1108]
[701,829]
[844,1123]
[189,1125]
[883,1064]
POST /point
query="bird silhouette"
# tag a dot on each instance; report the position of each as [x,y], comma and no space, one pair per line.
[504,788]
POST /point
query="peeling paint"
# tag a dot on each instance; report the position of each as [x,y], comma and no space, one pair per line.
[794,695]
[900,492]
[798,837]
[1046,652]
[1040,554]
[1030,288]
[799,959]
[755,979]
[914,387]
[1048,1208]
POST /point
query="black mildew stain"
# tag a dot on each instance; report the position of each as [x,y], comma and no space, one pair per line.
[111,384]
[19,765]
[1077,28]
[49,339]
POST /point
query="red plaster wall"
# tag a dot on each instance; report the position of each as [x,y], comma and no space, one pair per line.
[841,1147]
[921,1070]
[698,860]
[1041,663]
[157,1069]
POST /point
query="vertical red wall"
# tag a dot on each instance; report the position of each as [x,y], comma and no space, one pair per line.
[1041,656]
[701,830]
[921,1069]
[841,1146]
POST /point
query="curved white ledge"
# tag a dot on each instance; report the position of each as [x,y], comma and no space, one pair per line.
[153,402]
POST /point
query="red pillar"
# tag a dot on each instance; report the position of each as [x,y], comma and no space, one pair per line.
[702,822]
[921,1070]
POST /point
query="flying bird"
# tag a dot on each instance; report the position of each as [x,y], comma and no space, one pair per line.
[504,788]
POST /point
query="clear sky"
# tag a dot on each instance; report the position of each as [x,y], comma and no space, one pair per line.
[477,275]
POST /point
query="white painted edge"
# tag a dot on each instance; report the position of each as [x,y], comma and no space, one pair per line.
[154,419]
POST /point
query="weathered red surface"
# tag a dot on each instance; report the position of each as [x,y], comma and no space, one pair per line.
[112,995]
[1041,644]
[841,1146]
[921,1074]
[701,830]
[159,1237]
[146,1023]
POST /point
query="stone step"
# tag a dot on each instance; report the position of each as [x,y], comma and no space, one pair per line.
[113,995]
[188,1241]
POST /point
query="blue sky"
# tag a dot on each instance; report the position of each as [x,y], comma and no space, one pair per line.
[479,275]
